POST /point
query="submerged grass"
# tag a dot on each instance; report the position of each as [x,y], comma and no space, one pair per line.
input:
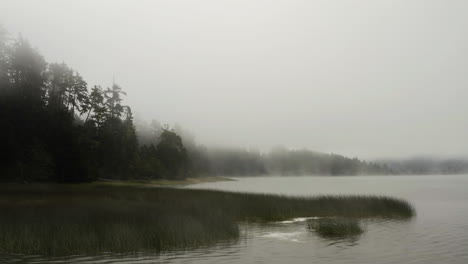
[335,227]
[90,219]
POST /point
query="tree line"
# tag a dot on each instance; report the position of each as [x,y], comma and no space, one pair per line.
[55,127]
[250,162]
[283,162]
[426,166]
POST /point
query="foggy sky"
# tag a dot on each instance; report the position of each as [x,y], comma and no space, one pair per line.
[367,78]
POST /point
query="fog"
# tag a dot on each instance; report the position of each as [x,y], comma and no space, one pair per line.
[373,79]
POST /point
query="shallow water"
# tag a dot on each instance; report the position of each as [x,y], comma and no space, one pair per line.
[438,234]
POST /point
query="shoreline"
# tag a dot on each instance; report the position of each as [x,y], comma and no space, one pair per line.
[163,182]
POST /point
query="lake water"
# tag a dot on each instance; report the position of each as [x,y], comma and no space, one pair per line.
[438,234]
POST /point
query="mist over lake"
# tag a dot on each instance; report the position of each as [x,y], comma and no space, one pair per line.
[178,131]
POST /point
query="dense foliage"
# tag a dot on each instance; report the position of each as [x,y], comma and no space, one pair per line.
[56,129]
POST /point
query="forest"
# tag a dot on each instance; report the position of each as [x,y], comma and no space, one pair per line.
[56,127]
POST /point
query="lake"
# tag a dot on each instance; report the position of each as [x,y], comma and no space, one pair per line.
[438,233]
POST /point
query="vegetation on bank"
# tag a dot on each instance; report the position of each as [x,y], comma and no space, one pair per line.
[56,128]
[161,182]
[53,219]
[335,227]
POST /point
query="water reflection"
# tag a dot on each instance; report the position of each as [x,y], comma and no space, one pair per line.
[343,242]
[223,250]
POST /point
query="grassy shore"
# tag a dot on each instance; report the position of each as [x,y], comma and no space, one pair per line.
[163,182]
[53,219]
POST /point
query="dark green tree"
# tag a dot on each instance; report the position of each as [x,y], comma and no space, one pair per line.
[27,74]
[172,154]
[78,97]
[96,107]
[59,83]
[4,62]
[113,101]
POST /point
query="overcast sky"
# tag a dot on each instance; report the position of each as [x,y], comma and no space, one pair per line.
[363,78]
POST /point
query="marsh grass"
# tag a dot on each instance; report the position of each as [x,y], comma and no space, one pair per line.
[88,219]
[335,227]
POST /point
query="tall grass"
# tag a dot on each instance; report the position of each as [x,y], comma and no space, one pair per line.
[335,227]
[89,219]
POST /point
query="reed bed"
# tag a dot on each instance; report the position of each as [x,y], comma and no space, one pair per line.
[335,227]
[53,219]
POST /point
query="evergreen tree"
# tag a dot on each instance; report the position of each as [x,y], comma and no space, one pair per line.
[173,154]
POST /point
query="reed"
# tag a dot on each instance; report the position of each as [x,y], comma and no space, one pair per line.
[335,227]
[53,219]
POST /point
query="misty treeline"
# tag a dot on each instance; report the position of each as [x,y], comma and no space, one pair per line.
[278,161]
[425,166]
[282,162]
[55,127]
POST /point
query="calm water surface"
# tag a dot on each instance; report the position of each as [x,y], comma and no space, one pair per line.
[438,234]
